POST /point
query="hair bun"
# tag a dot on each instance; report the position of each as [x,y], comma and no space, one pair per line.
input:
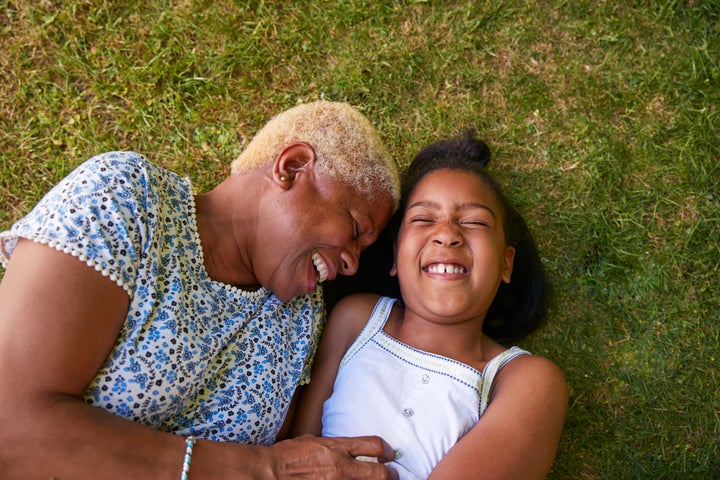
[474,149]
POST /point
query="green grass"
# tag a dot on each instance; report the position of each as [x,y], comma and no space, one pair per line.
[604,118]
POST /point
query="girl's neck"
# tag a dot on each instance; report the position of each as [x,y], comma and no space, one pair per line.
[460,340]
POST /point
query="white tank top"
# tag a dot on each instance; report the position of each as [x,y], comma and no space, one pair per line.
[419,402]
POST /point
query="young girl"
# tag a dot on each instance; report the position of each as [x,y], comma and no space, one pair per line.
[425,373]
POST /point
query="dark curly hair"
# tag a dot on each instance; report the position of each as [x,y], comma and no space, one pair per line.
[519,307]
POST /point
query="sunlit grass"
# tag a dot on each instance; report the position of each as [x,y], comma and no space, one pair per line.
[603,117]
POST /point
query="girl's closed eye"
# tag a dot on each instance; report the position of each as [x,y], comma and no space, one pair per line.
[475,223]
[481,216]
[420,215]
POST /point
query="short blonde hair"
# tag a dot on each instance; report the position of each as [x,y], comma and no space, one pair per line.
[347,146]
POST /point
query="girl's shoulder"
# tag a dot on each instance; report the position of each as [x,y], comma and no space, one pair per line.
[354,310]
[357,300]
[350,315]
[531,373]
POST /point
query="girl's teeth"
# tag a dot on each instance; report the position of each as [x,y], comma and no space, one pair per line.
[322,271]
[446,268]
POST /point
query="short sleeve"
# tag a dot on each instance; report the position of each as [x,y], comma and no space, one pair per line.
[98,213]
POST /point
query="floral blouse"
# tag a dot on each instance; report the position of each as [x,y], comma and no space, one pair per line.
[195,356]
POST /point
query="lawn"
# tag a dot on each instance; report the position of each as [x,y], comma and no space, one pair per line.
[603,118]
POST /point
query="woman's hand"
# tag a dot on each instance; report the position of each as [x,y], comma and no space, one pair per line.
[331,458]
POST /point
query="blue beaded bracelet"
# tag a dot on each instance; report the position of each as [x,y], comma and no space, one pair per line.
[189,444]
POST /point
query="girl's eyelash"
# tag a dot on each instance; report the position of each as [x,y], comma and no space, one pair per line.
[480,223]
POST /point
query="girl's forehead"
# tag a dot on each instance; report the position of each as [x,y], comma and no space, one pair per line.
[451,182]
[455,189]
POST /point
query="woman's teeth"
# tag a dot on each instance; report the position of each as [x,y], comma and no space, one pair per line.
[446,268]
[322,270]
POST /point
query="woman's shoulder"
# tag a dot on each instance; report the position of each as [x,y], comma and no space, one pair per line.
[127,182]
[110,173]
[132,166]
[116,161]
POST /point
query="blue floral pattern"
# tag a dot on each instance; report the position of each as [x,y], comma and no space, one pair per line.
[195,356]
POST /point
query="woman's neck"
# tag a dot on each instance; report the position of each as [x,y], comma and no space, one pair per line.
[224,221]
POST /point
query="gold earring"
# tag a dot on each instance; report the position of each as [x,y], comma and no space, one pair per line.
[283,178]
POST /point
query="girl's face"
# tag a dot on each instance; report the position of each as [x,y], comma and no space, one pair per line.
[451,254]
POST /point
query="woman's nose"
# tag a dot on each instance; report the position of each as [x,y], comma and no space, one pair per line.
[349,261]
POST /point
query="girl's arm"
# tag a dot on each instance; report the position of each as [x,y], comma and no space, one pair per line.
[345,323]
[518,435]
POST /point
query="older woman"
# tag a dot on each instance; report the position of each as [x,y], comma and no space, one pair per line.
[146,329]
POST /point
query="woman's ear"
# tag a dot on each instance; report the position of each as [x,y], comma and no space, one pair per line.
[508,268]
[293,160]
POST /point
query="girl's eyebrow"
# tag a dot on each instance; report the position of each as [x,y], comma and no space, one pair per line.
[463,207]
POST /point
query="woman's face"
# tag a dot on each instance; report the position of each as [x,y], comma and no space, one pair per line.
[451,254]
[319,234]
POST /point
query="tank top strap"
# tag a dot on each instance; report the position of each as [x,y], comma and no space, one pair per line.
[491,370]
[375,324]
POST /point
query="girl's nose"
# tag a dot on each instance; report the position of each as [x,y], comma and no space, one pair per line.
[447,235]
